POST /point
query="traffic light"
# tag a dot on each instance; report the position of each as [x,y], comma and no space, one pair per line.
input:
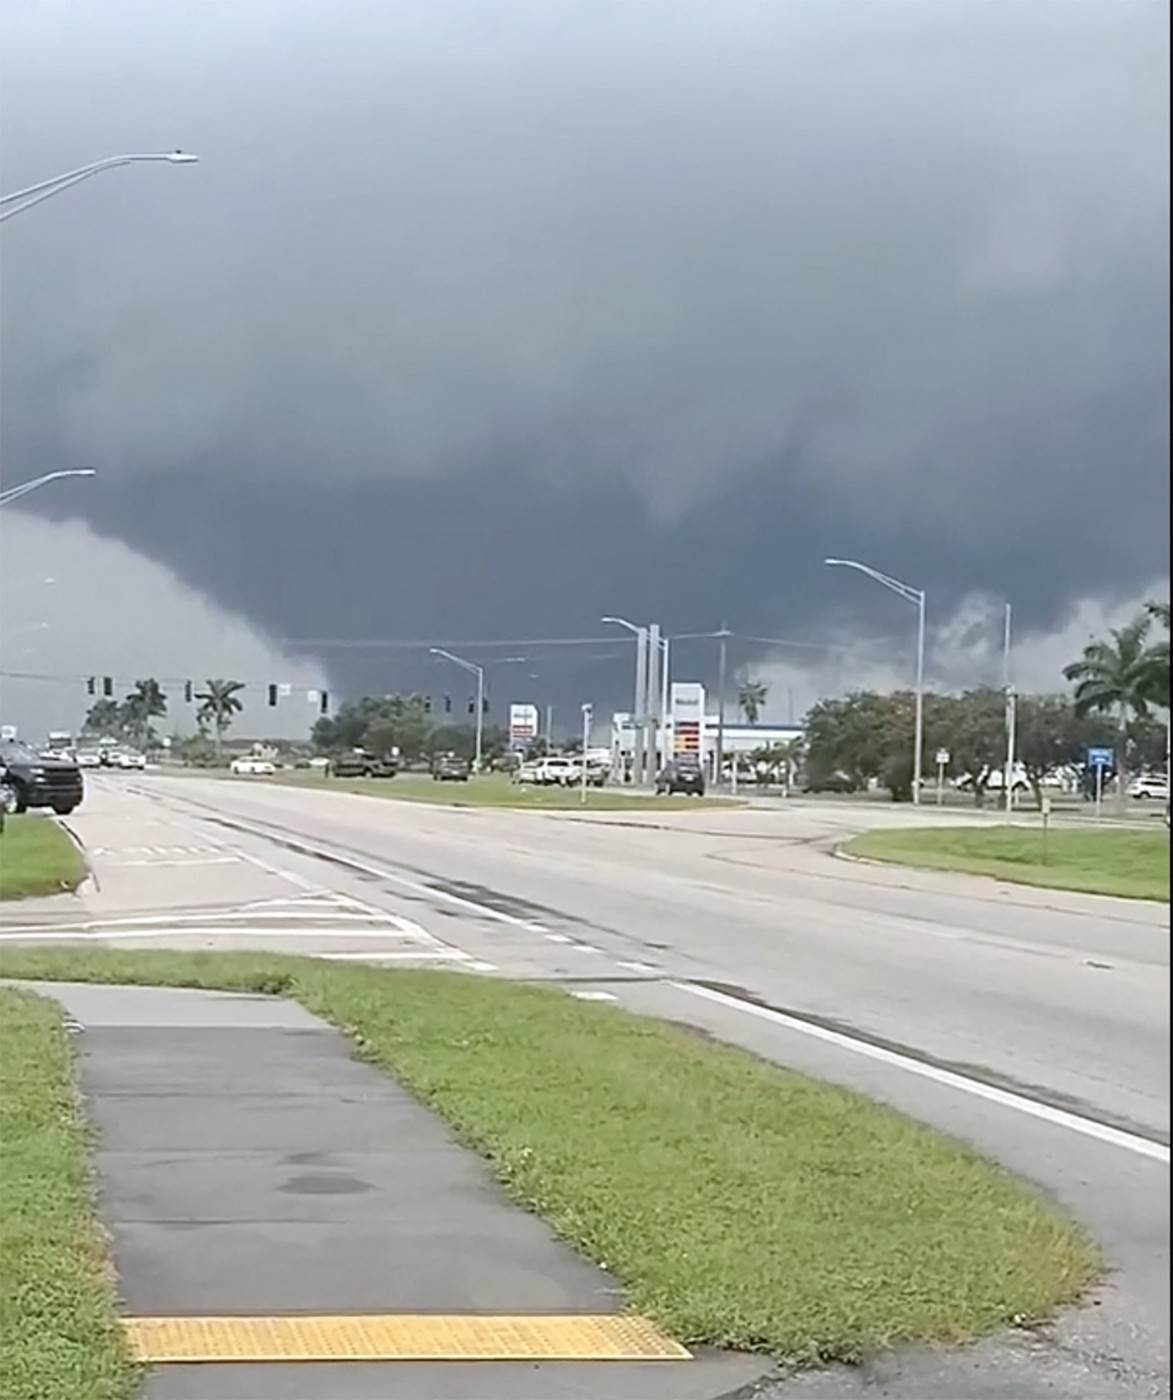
[448,704]
[472,706]
[108,687]
[91,686]
[323,703]
[187,692]
[427,704]
[485,705]
[272,695]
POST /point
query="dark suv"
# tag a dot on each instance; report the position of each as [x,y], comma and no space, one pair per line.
[28,780]
[451,768]
[681,775]
[363,765]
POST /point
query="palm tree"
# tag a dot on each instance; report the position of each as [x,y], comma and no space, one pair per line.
[1116,677]
[144,703]
[218,703]
[751,696]
[103,717]
[1158,657]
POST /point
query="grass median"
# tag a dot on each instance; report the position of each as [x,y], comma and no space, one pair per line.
[739,1204]
[37,857]
[59,1338]
[1132,864]
[496,790]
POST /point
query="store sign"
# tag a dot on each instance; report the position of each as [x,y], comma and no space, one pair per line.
[523,724]
[688,717]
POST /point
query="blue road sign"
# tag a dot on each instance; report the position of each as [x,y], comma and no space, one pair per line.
[1101,758]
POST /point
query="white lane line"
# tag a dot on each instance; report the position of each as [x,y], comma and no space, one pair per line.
[557,938]
[305,846]
[583,948]
[416,955]
[638,967]
[172,864]
[594,996]
[110,935]
[1059,1117]
[294,879]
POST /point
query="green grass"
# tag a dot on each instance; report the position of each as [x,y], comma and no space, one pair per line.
[496,790]
[1134,864]
[739,1204]
[37,857]
[59,1339]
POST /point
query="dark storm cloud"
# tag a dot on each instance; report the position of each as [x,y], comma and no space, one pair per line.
[480,317]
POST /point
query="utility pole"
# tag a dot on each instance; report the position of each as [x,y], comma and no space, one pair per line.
[721,669]
[655,719]
[640,717]
[1011,715]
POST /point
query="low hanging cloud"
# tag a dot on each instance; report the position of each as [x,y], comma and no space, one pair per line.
[73,605]
[496,315]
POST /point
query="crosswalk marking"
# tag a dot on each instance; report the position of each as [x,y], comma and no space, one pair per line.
[316,917]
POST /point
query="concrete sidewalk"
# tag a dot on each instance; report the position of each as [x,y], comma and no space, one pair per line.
[248,1165]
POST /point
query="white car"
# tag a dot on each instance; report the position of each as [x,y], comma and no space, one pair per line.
[131,758]
[1149,785]
[258,767]
[88,758]
[548,772]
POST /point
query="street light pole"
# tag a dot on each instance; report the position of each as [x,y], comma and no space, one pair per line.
[911,595]
[14,493]
[479,673]
[20,200]
[639,706]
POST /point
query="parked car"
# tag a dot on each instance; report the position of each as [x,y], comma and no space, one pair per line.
[828,782]
[28,779]
[596,772]
[451,768]
[549,772]
[249,764]
[360,764]
[1149,785]
[681,775]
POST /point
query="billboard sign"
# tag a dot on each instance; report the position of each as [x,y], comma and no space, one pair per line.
[523,724]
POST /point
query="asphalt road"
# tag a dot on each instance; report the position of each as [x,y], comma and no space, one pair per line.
[1031,1023]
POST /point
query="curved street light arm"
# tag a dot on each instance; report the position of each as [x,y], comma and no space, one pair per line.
[20,200]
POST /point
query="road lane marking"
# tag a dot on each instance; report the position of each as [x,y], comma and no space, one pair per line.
[105,934]
[1020,1103]
[300,844]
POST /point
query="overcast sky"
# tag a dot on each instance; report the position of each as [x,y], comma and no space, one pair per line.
[484,317]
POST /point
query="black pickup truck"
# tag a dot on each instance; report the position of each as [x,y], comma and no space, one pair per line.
[29,780]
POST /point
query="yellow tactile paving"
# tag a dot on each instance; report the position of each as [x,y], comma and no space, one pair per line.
[399,1337]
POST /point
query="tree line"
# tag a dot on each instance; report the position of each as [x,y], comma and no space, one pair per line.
[1118,682]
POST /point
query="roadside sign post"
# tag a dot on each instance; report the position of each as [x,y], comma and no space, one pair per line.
[943,759]
[1098,759]
[588,715]
[1045,804]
